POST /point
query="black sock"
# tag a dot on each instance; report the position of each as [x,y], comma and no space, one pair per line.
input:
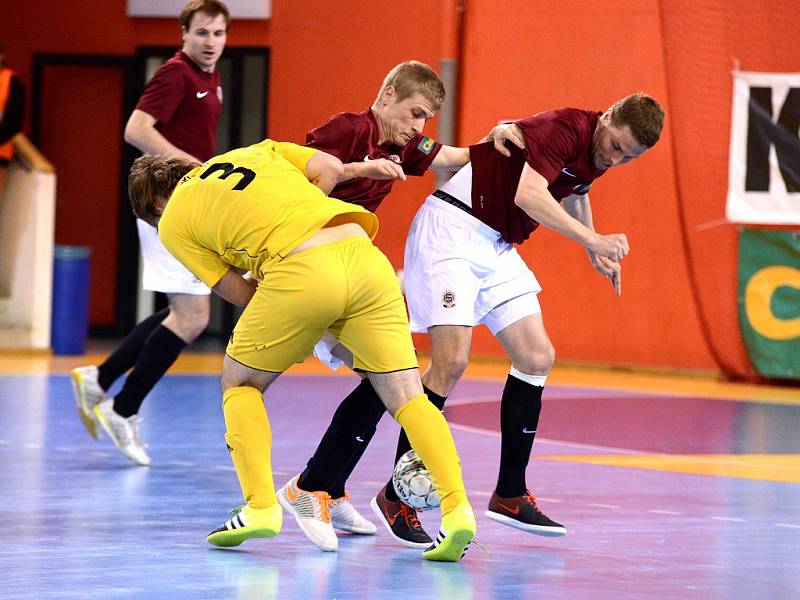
[344,442]
[159,351]
[403,445]
[519,418]
[126,354]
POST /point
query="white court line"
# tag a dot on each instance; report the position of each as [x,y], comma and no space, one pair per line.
[728,460]
[605,449]
[5,442]
[595,505]
[655,511]
[789,525]
[732,519]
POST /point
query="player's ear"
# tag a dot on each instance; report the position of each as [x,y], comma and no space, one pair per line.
[388,93]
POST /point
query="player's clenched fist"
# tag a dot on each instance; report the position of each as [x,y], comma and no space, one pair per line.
[613,246]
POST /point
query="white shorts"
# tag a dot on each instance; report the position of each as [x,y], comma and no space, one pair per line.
[459,271]
[161,271]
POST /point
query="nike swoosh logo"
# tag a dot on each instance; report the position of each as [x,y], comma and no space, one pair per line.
[391,519]
[528,430]
[202,94]
[513,511]
[566,172]
[359,438]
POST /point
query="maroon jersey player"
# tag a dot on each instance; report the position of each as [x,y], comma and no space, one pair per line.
[378,146]
[176,116]
[475,275]
[182,102]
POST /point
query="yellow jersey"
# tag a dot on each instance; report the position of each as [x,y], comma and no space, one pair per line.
[248,208]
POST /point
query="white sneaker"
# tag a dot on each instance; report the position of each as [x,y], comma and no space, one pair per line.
[310,510]
[344,516]
[88,394]
[123,432]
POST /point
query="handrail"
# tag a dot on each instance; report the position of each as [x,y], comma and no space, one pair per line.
[30,156]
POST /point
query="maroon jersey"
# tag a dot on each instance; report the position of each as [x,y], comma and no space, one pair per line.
[353,137]
[557,146]
[186,101]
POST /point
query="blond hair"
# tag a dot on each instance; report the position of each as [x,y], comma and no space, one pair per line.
[412,77]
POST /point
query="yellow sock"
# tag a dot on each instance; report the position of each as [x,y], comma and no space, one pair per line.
[431,439]
[249,438]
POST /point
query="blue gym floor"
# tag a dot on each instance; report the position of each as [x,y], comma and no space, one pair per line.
[663,496]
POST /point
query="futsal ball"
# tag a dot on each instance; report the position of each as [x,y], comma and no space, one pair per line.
[413,484]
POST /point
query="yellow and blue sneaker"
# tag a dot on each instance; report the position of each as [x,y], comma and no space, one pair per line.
[455,534]
[245,523]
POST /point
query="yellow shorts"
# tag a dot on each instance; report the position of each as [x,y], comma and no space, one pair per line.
[348,288]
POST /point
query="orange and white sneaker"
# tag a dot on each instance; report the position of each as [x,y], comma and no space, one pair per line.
[345,517]
[522,512]
[310,510]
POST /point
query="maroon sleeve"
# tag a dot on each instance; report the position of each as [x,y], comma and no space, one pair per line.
[337,136]
[549,144]
[163,93]
[418,154]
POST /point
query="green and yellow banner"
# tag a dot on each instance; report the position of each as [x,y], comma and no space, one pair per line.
[769,300]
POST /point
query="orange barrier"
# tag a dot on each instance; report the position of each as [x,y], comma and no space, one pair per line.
[678,308]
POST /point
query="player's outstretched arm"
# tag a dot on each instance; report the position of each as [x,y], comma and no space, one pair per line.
[452,158]
[379,168]
[535,200]
[141,132]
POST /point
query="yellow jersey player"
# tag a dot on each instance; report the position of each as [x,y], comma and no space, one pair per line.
[313,269]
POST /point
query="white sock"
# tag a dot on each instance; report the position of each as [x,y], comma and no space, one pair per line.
[537,380]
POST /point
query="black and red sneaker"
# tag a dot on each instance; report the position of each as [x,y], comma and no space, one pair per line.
[523,513]
[401,521]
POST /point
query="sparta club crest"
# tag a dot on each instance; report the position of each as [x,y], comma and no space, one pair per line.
[448,299]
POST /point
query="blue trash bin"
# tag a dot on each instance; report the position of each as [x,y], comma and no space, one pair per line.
[70,321]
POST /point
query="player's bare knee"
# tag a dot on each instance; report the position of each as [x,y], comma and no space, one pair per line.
[190,322]
[537,361]
[450,370]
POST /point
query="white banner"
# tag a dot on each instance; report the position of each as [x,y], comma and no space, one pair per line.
[764,161]
[239,9]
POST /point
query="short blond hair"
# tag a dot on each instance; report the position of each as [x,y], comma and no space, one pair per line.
[151,183]
[412,77]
